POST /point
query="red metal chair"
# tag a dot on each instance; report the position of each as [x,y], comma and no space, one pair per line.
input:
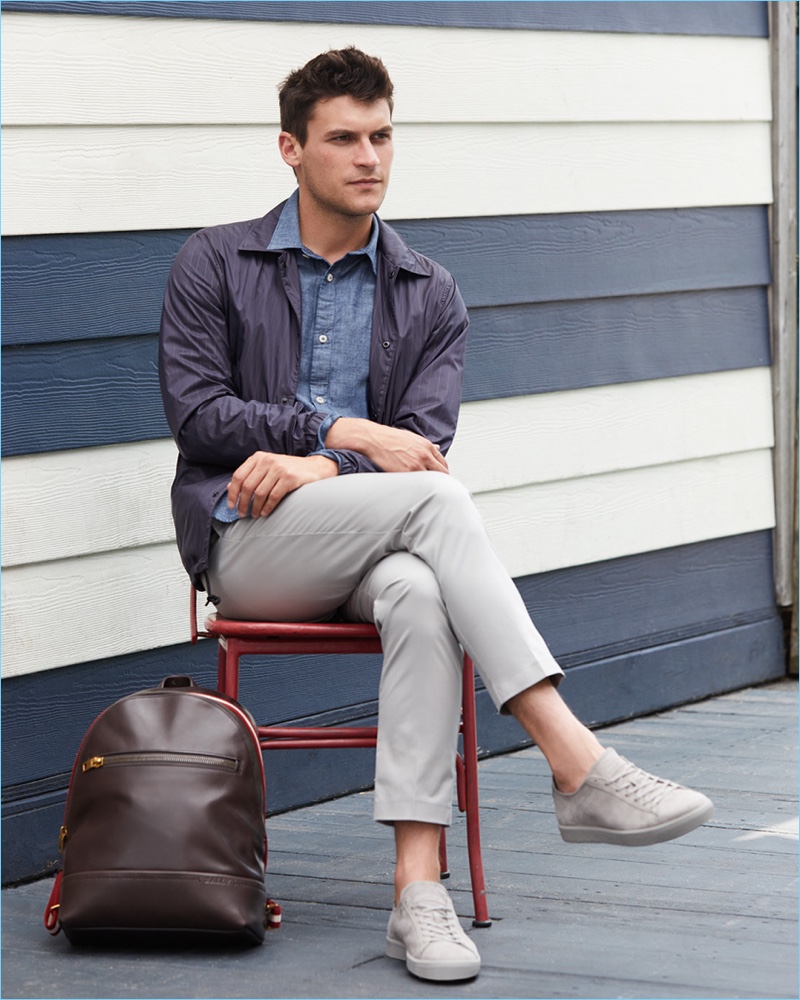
[244,638]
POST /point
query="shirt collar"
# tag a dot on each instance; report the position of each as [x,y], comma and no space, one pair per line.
[287,234]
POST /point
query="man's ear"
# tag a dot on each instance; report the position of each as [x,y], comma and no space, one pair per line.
[290,149]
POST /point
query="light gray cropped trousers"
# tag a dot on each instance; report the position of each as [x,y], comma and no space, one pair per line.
[409,552]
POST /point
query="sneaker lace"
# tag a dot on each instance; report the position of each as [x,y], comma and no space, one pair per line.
[640,787]
[437,923]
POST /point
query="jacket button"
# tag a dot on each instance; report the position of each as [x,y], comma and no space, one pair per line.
[284,399]
[386,344]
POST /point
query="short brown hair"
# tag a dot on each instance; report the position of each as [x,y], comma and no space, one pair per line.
[334,73]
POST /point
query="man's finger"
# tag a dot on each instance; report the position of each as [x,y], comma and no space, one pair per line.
[263,484]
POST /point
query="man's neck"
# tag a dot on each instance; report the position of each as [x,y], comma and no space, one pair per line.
[333,236]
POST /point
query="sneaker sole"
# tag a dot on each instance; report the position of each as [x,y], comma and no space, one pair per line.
[639,838]
[438,971]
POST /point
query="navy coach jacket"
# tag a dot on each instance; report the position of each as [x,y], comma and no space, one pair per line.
[229,361]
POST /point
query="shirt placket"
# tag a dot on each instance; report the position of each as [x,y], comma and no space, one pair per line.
[320,375]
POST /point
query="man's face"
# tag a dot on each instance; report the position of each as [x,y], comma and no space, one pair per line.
[343,168]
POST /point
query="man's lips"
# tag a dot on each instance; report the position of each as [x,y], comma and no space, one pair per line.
[366,182]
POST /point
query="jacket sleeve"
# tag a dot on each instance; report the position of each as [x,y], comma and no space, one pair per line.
[430,382]
[211,424]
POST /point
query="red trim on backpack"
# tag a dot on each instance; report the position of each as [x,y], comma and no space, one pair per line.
[51,920]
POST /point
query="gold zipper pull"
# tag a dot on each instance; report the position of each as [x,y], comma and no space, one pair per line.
[62,838]
[92,763]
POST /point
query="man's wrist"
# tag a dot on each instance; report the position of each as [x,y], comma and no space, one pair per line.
[328,465]
[348,432]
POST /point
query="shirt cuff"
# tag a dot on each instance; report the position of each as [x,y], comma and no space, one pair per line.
[324,427]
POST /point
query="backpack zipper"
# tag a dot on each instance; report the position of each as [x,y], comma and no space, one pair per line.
[160,757]
[220,699]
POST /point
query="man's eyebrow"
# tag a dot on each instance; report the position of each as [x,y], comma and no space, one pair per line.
[344,130]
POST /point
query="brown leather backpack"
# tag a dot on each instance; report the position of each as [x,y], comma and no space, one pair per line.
[163,837]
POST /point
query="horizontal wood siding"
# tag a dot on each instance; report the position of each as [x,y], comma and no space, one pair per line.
[118,71]
[597,176]
[80,394]
[586,613]
[534,528]
[612,625]
[713,18]
[71,287]
[502,443]
[536,324]
[671,122]
[143,176]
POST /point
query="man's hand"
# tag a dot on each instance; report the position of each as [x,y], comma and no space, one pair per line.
[266,478]
[393,449]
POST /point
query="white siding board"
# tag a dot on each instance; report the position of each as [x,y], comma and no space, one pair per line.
[115,70]
[502,443]
[118,496]
[553,525]
[82,179]
[109,498]
[75,610]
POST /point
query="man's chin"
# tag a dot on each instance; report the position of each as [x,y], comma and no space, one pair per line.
[374,194]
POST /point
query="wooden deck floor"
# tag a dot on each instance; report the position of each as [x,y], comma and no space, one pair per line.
[711,915]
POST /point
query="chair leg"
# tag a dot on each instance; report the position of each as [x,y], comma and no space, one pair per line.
[470,735]
[444,871]
[228,669]
[222,666]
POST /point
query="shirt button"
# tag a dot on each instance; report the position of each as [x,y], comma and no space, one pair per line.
[329,277]
[323,339]
[320,399]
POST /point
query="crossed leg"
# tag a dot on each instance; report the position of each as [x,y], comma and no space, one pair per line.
[409,552]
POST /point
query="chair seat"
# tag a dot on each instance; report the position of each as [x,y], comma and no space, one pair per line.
[217,625]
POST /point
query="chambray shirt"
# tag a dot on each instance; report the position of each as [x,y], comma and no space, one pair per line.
[336,320]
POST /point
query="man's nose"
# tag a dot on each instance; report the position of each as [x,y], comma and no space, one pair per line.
[366,154]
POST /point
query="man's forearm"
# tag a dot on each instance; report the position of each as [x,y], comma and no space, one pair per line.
[392,449]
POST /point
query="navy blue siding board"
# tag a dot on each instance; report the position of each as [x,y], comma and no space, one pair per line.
[708,18]
[72,287]
[546,347]
[635,634]
[78,287]
[75,395]
[88,393]
[546,258]
[611,689]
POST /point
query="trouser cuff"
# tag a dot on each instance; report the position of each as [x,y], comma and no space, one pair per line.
[411,811]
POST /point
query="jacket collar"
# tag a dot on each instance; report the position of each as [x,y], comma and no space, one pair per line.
[390,244]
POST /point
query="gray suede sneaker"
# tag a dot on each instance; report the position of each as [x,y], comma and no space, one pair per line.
[425,932]
[619,803]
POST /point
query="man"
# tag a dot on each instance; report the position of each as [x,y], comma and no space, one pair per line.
[311,368]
